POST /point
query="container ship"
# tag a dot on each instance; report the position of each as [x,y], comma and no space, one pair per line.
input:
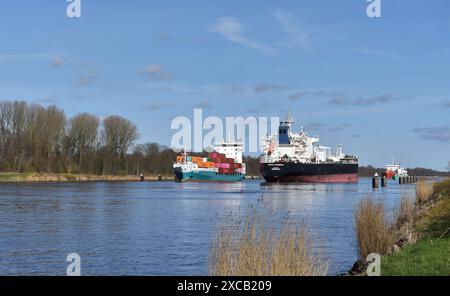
[297,157]
[395,171]
[223,165]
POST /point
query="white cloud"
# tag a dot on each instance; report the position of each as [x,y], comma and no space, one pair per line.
[297,35]
[57,61]
[232,30]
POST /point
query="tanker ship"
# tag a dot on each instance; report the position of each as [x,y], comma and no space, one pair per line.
[297,157]
[223,165]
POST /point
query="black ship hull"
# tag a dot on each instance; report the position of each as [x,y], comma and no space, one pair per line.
[310,172]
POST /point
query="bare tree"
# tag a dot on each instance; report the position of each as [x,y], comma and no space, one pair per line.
[54,128]
[82,133]
[118,136]
[12,129]
[5,127]
[35,135]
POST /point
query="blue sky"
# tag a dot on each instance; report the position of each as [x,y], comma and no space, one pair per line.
[379,86]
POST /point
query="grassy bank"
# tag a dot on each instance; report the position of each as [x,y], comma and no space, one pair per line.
[431,254]
[39,177]
[415,241]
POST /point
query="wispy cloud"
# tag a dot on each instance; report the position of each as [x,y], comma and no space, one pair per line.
[233,30]
[313,93]
[57,61]
[438,133]
[315,126]
[258,88]
[297,35]
[340,128]
[382,54]
[261,88]
[202,105]
[155,72]
[86,78]
[364,101]
[88,74]
[341,99]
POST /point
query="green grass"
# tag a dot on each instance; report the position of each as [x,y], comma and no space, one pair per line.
[5,177]
[431,254]
[419,259]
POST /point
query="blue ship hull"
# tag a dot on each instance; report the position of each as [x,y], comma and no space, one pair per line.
[205,176]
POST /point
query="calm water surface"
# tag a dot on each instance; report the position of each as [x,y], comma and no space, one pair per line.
[162,228]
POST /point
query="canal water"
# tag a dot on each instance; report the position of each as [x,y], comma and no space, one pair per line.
[164,228]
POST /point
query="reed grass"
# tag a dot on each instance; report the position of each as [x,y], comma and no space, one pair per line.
[374,233]
[405,213]
[424,192]
[254,247]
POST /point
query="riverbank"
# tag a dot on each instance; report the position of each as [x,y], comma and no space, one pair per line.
[415,242]
[39,177]
[430,254]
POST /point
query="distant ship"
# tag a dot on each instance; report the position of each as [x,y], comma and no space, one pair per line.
[223,165]
[296,157]
[395,171]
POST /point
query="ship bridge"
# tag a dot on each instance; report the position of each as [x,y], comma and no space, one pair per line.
[284,131]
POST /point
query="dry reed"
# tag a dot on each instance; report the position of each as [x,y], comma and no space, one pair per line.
[255,247]
[405,213]
[374,233]
[424,191]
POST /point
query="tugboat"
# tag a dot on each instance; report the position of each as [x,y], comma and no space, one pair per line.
[297,157]
[223,165]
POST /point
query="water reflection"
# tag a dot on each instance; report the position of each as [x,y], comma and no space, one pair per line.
[154,228]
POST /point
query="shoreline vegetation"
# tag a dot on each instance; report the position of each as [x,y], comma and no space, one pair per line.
[39,177]
[256,246]
[415,242]
[43,177]
[43,140]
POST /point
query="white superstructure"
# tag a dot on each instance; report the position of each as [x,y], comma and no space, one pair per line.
[231,149]
[299,147]
[396,169]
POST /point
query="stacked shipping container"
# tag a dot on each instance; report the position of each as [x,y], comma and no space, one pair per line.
[215,160]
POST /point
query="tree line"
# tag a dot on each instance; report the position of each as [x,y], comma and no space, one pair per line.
[369,171]
[41,139]
[34,138]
